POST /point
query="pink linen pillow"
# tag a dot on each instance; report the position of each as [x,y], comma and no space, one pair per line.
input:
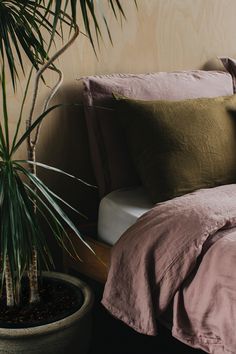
[110,157]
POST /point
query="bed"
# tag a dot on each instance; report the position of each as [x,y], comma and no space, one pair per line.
[163,150]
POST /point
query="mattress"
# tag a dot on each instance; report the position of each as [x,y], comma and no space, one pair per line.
[119,210]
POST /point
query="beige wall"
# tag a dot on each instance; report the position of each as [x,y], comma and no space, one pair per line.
[163,35]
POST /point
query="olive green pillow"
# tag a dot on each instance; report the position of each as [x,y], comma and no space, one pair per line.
[180,146]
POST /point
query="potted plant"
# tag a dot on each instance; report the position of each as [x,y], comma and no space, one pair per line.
[29,295]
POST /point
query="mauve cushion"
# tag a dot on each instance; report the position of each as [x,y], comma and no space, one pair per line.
[112,164]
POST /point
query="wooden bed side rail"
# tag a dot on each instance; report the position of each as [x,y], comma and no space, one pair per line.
[94,266]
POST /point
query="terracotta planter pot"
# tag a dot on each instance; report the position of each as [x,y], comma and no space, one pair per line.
[69,335]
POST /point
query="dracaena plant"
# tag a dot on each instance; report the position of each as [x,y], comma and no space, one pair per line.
[24,198]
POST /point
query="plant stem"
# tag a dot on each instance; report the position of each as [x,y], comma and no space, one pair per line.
[33,278]
[45,67]
[47,101]
[33,269]
[9,284]
[31,147]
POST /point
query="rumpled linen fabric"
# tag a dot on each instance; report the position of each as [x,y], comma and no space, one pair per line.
[181,252]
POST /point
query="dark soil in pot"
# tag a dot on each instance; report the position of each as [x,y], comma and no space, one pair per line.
[58,299]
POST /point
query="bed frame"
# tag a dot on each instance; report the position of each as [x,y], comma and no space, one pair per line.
[95,266]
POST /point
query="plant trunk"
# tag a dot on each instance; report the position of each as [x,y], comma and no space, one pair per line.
[9,285]
[31,147]
[33,269]
[33,279]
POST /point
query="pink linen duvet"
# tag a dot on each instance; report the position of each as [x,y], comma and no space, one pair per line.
[182,254]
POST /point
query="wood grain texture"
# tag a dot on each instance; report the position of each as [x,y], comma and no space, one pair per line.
[91,265]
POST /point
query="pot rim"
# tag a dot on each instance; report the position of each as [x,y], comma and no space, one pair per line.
[59,324]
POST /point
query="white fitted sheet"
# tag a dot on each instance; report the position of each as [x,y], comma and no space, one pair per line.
[119,210]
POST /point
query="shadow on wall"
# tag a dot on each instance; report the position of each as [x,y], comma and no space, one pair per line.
[64,144]
[213,64]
